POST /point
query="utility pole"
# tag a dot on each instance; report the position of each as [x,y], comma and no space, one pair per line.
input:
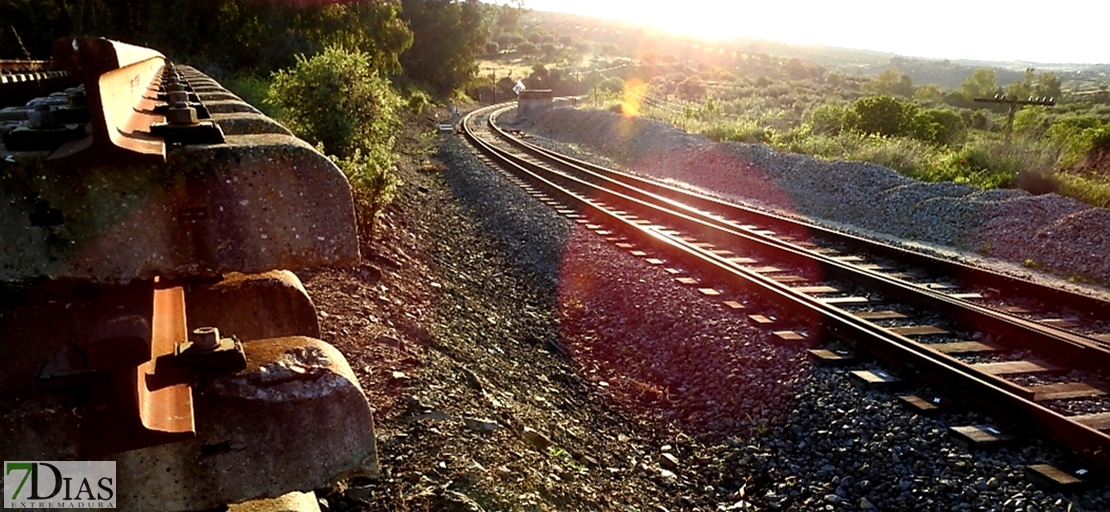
[1015,104]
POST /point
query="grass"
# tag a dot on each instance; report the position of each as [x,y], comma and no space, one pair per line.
[984,160]
[517,68]
[1094,191]
[252,89]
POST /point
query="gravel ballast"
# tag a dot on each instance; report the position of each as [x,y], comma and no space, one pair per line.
[531,365]
[1059,234]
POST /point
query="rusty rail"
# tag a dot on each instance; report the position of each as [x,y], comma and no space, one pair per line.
[120,85]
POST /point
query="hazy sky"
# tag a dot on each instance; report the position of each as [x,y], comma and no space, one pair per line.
[1046,31]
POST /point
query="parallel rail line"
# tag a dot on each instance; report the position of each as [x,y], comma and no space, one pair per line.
[741,248]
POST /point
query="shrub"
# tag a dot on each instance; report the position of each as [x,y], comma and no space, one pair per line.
[738,131]
[373,185]
[940,126]
[979,164]
[882,115]
[418,101]
[827,119]
[336,99]
[613,84]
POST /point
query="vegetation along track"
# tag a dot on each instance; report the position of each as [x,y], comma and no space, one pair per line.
[1026,352]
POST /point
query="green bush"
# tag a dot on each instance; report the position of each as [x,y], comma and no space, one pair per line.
[1093,191]
[940,126]
[373,184]
[978,164]
[738,131]
[253,90]
[613,85]
[905,155]
[418,101]
[827,119]
[882,115]
[337,99]
[1076,136]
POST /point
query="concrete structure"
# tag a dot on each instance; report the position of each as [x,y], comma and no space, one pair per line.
[88,245]
[531,104]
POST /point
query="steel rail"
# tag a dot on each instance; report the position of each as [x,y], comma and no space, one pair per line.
[991,393]
[1076,349]
[120,82]
[970,275]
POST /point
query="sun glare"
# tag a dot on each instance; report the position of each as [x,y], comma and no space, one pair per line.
[942,29]
[634,92]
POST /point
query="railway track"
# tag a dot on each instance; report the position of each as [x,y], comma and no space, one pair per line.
[22,80]
[1032,355]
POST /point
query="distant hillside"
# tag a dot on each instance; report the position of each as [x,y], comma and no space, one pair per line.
[636,42]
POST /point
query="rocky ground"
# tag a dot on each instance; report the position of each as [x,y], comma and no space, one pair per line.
[517,361]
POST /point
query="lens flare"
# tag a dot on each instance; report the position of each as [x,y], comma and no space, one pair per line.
[634,92]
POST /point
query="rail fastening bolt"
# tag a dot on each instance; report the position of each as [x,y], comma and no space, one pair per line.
[176,97]
[41,117]
[205,338]
[181,114]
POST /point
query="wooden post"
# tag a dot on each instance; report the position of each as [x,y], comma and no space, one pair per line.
[1015,104]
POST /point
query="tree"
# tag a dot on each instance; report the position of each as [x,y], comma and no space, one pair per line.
[691,88]
[235,35]
[1023,89]
[508,15]
[1048,86]
[980,84]
[882,115]
[448,36]
[890,83]
[931,92]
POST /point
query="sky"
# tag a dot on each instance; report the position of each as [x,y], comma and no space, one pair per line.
[1060,31]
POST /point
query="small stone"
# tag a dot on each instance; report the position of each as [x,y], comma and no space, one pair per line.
[668,461]
[358,493]
[865,505]
[536,439]
[472,379]
[434,416]
[399,375]
[667,474]
[480,424]
[834,499]
[390,341]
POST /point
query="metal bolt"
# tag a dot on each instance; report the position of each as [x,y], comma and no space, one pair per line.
[174,86]
[77,98]
[181,114]
[205,338]
[41,117]
[176,97]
